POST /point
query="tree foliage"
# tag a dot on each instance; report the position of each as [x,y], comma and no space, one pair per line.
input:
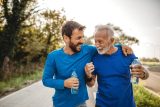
[123,38]
[120,37]
[52,29]
[26,33]
[29,45]
[36,41]
[13,14]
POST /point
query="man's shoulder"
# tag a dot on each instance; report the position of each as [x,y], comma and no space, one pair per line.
[55,52]
[88,47]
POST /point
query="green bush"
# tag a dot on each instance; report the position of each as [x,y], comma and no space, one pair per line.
[143,98]
[150,59]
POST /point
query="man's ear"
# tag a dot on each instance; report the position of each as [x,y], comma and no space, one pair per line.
[66,39]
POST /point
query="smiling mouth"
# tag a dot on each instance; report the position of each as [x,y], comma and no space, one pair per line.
[99,49]
[78,47]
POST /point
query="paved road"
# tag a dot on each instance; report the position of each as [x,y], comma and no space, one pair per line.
[32,96]
[35,95]
[153,82]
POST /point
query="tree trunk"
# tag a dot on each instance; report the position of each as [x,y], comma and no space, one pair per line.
[5,72]
[7,44]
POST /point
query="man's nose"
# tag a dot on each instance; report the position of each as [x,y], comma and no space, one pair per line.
[82,40]
[97,44]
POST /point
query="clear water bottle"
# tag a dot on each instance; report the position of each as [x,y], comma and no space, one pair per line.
[135,78]
[74,90]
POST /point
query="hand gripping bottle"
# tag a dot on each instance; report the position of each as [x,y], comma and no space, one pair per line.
[135,78]
[74,90]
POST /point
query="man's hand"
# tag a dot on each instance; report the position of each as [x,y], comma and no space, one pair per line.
[71,82]
[89,68]
[126,50]
[138,70]
[90,79]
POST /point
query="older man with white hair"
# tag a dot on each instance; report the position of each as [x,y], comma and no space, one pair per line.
[112,70]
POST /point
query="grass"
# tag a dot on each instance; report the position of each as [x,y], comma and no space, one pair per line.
[151,63]
[144,98]
[18,82]
[152,66]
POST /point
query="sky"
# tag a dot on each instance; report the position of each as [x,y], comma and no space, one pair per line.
[138,18]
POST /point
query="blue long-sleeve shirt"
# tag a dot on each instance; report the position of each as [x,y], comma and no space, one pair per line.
[59,67]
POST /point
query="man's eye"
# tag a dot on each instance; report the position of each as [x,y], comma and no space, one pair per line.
[99,42]
[80,38]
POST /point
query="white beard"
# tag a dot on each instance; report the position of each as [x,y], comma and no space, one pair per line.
[104,51]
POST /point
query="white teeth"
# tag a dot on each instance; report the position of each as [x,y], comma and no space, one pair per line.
[99,48]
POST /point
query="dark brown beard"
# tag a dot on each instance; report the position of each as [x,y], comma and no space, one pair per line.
[73,47]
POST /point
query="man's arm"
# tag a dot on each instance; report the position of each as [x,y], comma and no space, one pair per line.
[48,76]
[145,74]
[90,81]
[126,50]
[90,78]
[49,72]
[141,71]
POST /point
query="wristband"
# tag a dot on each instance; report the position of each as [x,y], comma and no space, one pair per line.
[89,79]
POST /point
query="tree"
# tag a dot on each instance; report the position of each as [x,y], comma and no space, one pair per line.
[29,46]
[34,42]
[51,29]
[13,14]
[89,40]
[120,37]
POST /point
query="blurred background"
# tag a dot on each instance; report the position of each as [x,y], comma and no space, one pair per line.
[30,29]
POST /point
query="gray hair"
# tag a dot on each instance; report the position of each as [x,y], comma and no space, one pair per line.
[107,28]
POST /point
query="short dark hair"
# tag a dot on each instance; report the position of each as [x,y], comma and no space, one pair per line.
[69,26]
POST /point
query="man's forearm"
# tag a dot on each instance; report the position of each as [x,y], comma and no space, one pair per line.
[90,81]
[53,83]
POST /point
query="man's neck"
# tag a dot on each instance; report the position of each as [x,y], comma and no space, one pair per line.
[68,50]
[112,50]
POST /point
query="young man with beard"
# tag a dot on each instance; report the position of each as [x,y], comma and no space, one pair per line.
[61,63]
[112,70]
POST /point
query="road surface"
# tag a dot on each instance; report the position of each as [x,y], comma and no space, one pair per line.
[153,82]
[35,95]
